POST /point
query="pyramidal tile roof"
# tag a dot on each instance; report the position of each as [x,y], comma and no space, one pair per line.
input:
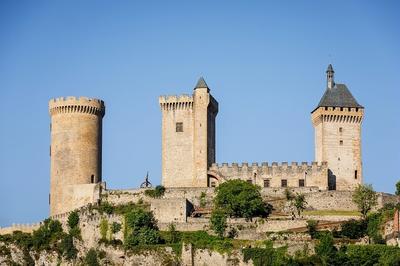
[201,83]
[338,96]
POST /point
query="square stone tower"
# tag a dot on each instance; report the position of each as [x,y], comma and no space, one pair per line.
[337,124]
[188,137]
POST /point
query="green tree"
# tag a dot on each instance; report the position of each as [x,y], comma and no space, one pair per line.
[325,249]
[300,203]
[365,198]
[48,234]
[91,258]
[141,228]
[103,229]
[312,228]
[398,188]
[73,219]
[288,194]
[218,222]
[239,198]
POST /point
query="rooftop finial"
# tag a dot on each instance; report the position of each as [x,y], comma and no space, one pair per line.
[330,77]
[201,83]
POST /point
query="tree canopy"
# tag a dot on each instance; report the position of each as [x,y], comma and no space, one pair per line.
[238,198]
[365,198]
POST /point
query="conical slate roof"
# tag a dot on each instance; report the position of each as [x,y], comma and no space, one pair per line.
[338,96]
[201,83]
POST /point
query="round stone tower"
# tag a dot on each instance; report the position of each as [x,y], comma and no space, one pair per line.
[75,151]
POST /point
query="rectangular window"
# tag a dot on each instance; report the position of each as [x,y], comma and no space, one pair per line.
[301,182]
[284,183]
[355,174]
[179,127]
[340,129]
[267,183]
[341,142]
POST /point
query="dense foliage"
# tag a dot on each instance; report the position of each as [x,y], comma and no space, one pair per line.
[239,198]
[365,198]
[398,188]
[91,258]
[218,222]
[141,228]
[157,192]
[312,228]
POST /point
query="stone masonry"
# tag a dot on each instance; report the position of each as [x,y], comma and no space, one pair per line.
[75,152]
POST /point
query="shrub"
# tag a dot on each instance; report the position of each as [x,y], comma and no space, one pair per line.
[218,222]
[354,229]
[47,235]
[157,192]
[312,228]
[239,198]
[266,256]
[141,228]
[103,229]
[288,194]
[73,219]
[203,200]
[91,258]
[374,228]
[173,235]
[105,207]
[67,247]
[115,227]
[325,249]
[373,255]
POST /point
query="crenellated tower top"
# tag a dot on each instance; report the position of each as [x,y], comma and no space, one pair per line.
[73,104]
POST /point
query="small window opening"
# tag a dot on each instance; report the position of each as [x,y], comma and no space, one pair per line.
[338,159]
[355,174]
[341,108]
[301,182]
[92,179]
[341,142]
[212,184]
[267,183]
[340,129]
[284,183]
[326,108]
[179,127]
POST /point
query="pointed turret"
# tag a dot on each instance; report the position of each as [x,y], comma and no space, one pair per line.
[330,77]
[201,83]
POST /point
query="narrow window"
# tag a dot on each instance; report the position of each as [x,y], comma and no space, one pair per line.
[355,174]
[92,179]
[341,108]
[340,129]
[301,182]
[179,127]
[338,159]
[326,108]
[341,142]
[267,183]
[284,183]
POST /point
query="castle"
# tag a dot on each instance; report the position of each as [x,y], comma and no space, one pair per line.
[188,147]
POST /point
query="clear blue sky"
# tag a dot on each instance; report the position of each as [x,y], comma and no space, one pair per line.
[264,61]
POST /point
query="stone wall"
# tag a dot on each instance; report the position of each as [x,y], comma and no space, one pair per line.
[171,210]
[312,175]
[338,142]
[26,228]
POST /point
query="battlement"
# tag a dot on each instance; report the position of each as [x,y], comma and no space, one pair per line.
[294,166]
[72,104]
[26,228]
[338,114]
[176,102]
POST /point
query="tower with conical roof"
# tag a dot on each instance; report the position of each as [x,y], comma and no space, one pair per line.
[188,137]
[337,123]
